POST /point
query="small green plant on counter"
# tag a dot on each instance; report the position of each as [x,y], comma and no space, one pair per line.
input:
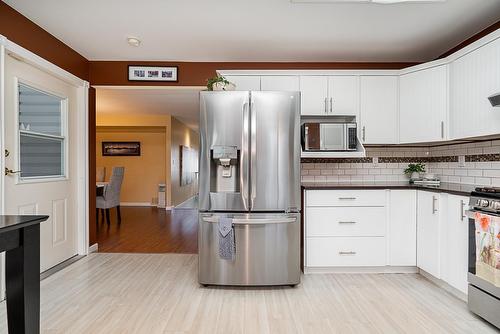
[415,168]
[218,78]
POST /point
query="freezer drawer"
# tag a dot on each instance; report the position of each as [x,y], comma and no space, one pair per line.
[267,250]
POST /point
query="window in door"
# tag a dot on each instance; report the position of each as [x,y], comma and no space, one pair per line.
[42,134]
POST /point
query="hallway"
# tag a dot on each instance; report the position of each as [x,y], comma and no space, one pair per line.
[149,230]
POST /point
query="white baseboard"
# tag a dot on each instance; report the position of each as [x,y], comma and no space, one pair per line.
[93,248]
[443,285]
[136,204]
[361,270]
[169,208]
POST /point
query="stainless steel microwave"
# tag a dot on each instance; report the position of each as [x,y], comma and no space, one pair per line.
[329,136]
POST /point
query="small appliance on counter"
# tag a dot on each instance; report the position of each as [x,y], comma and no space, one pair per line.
[427,179]
[484,254]
[249,192]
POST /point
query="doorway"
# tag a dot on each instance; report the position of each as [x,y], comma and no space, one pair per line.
[160,176]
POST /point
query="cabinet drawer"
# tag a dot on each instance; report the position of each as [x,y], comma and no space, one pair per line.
[345,198]
[345,251]
[345,221]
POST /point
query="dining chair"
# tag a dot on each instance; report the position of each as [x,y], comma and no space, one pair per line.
[111,195]
[100,174]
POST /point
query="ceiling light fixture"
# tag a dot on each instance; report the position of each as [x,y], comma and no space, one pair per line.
[133,41]
[384,2]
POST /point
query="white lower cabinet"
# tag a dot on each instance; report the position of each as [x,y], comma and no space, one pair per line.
[402,228]
[346,251]
[394,228]
[428,232]
[454,242]
[345,228]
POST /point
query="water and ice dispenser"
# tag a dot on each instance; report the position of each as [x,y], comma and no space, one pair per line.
[225,169]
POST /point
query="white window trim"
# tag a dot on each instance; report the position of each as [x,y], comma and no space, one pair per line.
[64,135]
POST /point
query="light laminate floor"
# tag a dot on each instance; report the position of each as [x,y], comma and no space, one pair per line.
[159,293]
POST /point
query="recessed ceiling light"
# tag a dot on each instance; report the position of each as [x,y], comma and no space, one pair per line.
[133,41]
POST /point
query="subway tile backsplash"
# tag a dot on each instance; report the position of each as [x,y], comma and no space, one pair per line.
[482,164]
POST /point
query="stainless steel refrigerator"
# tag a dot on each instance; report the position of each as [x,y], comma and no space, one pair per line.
[250,172]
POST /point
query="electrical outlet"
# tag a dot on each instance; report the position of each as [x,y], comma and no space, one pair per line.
[375,160]
[461,161]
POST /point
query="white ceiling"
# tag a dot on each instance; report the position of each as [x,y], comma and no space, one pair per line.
[182,103]
[260,30]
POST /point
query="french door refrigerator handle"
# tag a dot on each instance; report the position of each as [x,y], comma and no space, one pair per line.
[253,152]
[250,221]
[244,175]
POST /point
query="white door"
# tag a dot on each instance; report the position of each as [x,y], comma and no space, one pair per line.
[245,82]
[314,95]
[379,109]
[423,105]
[40,136]
[454,266]
[343,94]
[428,232]
[288,83]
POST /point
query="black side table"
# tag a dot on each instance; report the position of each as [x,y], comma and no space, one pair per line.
[20,239]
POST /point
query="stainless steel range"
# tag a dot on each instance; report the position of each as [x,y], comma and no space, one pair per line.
[484,254]
[249,192]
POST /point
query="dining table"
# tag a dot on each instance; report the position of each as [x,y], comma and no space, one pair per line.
[100,188]
[20,240]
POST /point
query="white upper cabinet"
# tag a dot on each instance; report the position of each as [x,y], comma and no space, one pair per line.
[330,95]
[245,82]
[343,95]
[379,109]
[423,105]
[289,83]
[428,232]
[473,78]
[314,95]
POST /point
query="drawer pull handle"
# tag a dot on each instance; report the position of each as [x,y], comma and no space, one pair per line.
[347,222]
[347,198]
[347,253]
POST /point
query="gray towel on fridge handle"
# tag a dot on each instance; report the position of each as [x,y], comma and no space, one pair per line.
[227,247]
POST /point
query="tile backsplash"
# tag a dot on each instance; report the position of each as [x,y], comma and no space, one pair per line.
[481,164]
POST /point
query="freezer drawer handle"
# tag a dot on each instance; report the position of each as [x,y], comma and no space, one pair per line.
[347,253]
[347,198]
[346,222]
[238,221]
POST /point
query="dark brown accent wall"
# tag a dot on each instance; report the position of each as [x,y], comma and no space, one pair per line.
[472,39]
[24,32]
[196,73]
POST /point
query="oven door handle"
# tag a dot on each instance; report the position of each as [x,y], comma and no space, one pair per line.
[472,213]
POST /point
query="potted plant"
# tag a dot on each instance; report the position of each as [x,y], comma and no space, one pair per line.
[413,171]
[219,83]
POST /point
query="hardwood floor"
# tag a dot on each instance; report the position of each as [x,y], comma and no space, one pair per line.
[149,230]
[159,293]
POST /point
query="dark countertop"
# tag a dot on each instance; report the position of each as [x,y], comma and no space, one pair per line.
[450,188]
[14,222]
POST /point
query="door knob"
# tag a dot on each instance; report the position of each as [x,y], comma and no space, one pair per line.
[11,172]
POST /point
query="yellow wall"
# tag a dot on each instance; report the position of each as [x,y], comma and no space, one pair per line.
[142,173]
[137,119]
[181,135]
